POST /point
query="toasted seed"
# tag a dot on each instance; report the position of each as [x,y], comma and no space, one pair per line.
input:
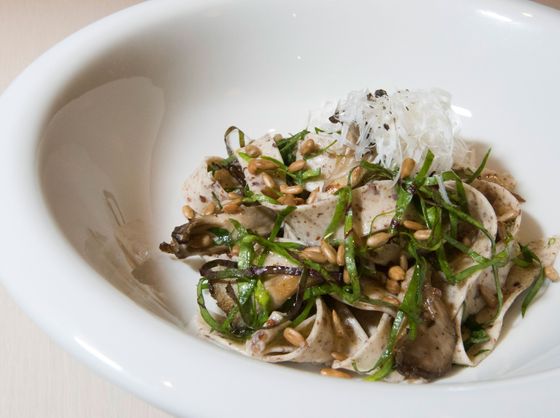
[213,160]
[209,209]
[403,262]
[300,201]
[236,201]
[467,241]
[269,181]
[327,371]
[297,189]
[265,164]
[233,196]
[328,252]
[551,273]
[393,286]
[313,254]
[415,226]
[346,277]
[356,176]
[258,164]
[201,241]
[277,137]
[252,166]
[288,200]
[396,273]
[235,250]
[423,234]
[332,188]
[231,208]
[337,324]
[488,296]
[338,356]
[267,191]
[508,215]
[307,147]
[225,179]
[313,196]
[391,299]
[252,151]
[407,166]
[379,239]
[294,337]
[297,166]
[188,212]
[340,255]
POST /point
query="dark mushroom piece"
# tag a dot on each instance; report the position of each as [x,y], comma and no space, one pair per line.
[430,354]
[195,237]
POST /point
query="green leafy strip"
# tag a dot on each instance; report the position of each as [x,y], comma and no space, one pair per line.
[282,249]
[422,175]
[412,301]
[244,156]
[410,308]
[299,177]
[527,258]
[478,334]
[383,371]
[240,134]
[344,198]
[496,261]
[288,146]
[465,217]
[222,327]
[387,354]
[377,171]
[404,197]
[280,217]
[304,314]
[344,293]
[319,151]
[221,236]
[478,171]
[262,297]
[407,189]
[252,197]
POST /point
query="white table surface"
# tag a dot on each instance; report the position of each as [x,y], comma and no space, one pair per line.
[37,378]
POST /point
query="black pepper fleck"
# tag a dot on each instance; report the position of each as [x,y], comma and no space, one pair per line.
[380,93]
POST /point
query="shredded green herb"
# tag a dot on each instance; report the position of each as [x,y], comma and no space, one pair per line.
[320,150]
[478,171]
[344,196]
[240,133]
[527,258]
[288,146]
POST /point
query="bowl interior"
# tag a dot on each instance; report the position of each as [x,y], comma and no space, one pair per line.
[135,121]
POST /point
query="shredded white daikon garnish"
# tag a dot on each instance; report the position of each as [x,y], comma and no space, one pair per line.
[404,124]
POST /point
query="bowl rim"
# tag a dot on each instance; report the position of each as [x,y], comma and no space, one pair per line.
[101,339]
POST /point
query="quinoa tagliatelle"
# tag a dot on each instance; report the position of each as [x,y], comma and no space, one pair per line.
[368,243]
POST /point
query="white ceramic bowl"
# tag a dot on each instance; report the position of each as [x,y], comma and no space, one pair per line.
[106,126]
